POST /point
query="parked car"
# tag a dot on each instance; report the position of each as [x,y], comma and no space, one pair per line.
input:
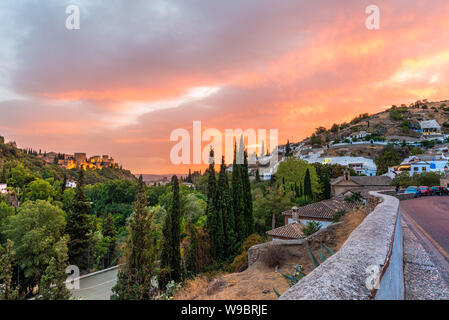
[436,190]
[444,191]
[413,190]
[425,191]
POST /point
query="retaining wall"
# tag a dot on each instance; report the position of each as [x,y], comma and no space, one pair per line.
[370,258]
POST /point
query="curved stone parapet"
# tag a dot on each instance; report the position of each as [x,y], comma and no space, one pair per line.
[373,249]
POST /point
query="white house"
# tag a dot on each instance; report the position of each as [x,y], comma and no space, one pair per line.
[71,184]
[419,167]
[360,165]
[430,127]
[3,188]
[358,135]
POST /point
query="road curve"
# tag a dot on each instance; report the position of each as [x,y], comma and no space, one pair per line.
[431,214]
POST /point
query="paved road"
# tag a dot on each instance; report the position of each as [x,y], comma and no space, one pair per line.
[431,214]
[425,225]
[96,286]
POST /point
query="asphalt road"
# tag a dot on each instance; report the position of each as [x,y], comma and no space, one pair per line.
[431,215]
[97,286]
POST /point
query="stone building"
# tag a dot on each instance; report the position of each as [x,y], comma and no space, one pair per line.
[361,184]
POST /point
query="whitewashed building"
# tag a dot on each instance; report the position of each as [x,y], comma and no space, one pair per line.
[3,188]
[70,184]
[360,165]
[430,127]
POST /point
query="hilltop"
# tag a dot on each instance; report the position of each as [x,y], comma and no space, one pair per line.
[30,164]
[398,124]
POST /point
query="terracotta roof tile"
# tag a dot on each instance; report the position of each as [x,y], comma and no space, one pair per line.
[324,209]
[290,231]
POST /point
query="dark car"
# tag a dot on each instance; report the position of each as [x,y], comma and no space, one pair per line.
[436,190]
[426,191]
[413,190]
[444,191]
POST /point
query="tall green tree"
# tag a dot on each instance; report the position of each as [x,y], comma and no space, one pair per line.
[171,251]
[78,227]
[247,198]
[190,255]
[237,199]
[225,212]
[326,187]
[214,213]
[7,290]
[288,149]
[35,230]
[52,284]
[139,258]
[308,185]
[109,233]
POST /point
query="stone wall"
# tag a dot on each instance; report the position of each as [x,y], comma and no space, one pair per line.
[400,196]
[283,250]
[346,275]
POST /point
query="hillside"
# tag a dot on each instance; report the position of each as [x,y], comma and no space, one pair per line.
[397,123]
[27,165]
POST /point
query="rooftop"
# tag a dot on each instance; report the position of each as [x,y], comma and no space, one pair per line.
[324,209]
[429,124]
[366,180]
[290,231]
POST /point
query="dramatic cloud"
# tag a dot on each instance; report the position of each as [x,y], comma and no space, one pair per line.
[138,69]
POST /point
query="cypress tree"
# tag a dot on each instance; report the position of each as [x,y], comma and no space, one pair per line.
[191,264]
[288,150]
[257,176]
[108,231]
[225,211]
[327,187]
[139,266]
[237,199]
[214,214]
[308,185]
[171,256]
[247,198]
[78,227]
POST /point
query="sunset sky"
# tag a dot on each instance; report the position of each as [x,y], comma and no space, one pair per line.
[136,70]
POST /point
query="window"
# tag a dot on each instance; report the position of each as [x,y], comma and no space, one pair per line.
[423,168]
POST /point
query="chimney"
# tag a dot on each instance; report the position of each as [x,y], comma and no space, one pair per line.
[347,175]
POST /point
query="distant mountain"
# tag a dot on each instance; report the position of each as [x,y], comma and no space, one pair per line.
[152,178]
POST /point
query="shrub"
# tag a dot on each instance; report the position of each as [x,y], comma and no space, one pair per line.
[311,227]
[240,262]
[273,257]
[336,217]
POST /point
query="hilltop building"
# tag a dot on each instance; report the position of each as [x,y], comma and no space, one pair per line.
[430,127]
[79,159]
